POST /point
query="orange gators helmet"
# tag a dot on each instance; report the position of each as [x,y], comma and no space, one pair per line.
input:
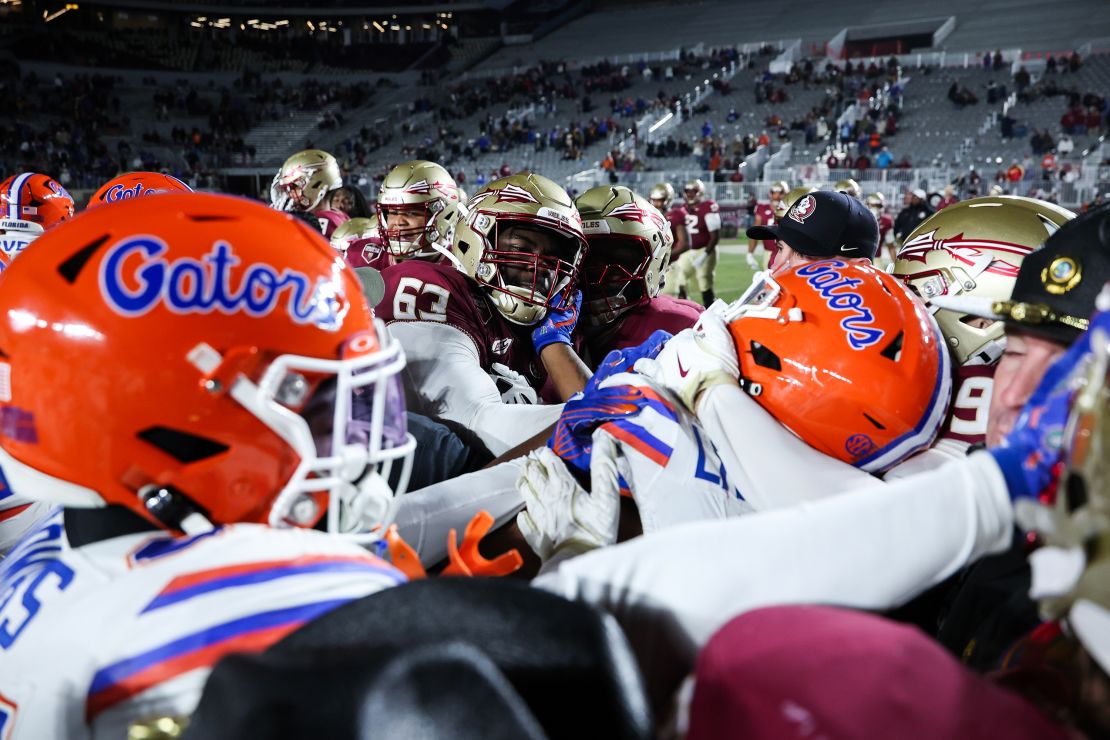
[199,359]
[135,184]
[845,357]
[30,204]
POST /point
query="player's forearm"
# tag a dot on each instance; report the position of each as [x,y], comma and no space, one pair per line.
[427,515]
[565,368]
[872,549]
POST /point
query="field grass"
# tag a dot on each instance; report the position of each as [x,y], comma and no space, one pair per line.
[733,273]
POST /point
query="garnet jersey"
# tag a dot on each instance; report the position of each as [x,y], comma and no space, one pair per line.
[633,328]
[416,290]
[369,253]
[703,217]
[886,226]
[765,216]
[330,220]
[96,636]
[677,217]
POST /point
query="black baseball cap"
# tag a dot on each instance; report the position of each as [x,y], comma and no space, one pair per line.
[1054,295]
[825,224]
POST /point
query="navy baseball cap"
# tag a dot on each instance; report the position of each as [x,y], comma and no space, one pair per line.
[825,224]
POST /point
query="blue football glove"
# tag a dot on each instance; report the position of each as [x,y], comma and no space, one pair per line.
[1032,456]
[585,412]
[622,360]
[559,323]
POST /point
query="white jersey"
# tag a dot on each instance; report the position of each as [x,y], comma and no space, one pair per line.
[92,638]
[668,463]
[17,515]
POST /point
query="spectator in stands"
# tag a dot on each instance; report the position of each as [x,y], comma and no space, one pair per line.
[949,198]
[1065,146]
[884,159]
[1021,79]
[1050,65]
[917,209]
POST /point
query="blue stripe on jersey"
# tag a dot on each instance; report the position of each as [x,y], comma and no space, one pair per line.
[270,574]
[121,670]
[644,436]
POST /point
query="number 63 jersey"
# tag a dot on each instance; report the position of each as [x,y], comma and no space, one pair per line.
[126,629]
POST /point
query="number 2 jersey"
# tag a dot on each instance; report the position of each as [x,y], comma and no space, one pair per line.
[97,636]
[702,219]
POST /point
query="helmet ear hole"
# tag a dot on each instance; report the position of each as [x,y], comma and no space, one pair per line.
[765,357]
[893,351]
[181,446]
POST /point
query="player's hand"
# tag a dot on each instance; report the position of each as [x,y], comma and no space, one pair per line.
[584,413]
[512,386]
[623,360]
[695,360]
[560,515]
[559,323]
[1032,455]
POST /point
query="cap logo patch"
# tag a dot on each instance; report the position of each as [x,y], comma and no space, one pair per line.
[803,209]
[1061,275]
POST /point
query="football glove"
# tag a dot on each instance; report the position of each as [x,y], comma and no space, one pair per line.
[559,323]
[695,360]
[559,515]
[1031,457]
[512,386]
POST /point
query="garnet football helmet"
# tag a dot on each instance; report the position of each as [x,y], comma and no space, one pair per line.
[974,248]
[428,192]
[629,248]
[694,192]
[661,196]
[845,357]
[134,184]
[30,204]
[304,180]
[206,360]
[521,281]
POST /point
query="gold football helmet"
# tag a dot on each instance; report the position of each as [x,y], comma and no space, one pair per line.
[520,238]
[304,180]
[974,248]
[354,233]
[630,246]
[851,187]
[694,191]
[416,193]
[661,196]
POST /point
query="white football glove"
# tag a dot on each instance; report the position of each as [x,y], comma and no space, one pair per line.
[512,386]
[562,517]
[695,359]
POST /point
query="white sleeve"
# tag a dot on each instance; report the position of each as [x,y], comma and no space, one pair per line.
[713,222]
[445,380]
[769,465]
[427,515]
[871,549]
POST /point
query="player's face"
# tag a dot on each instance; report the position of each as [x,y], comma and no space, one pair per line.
[343,202]
[1020,370]
[776,195]
[611,266]
[527,240]
[659,204]
[692,195]
[406,218]
[786,258]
